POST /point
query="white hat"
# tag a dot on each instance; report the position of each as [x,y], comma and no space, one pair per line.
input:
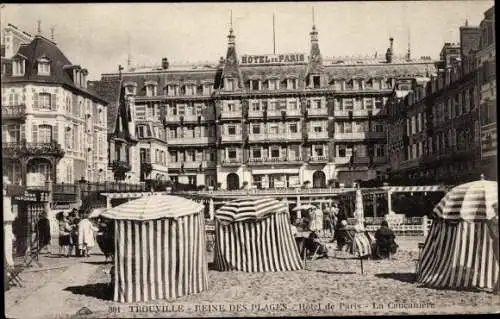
[65,214]
[343,222]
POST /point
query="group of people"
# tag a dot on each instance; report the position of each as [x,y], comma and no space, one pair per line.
[382,244]
[75,235]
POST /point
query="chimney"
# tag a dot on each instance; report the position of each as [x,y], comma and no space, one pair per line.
[388,54]
[164,63]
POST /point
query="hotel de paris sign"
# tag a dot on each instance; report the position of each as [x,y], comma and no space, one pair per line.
[295,58]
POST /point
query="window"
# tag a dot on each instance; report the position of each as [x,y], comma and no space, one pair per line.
[150,90]
[316,104]
[293,128]
[342,151]
[275,152]
[18,67]
[231,107]
[256,129]
[379,151]
[140,131]
[254,85]
[192,179]
[348,104]
[44,101]
[292,84]
[230,85]
[379,102]
[273,106]
[318,150]
[256,106]
[231,153]
[274,84]
[199,89]
[347,127]
[318,129]
[68,138]
[44,134]
[231,130]
[256,153]
[316,81]
[369,103]
[274,129]
[43,66]
[292,105]
[379,127]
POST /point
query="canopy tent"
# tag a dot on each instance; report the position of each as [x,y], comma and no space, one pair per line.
[160,248]
[461,250]
[254,235]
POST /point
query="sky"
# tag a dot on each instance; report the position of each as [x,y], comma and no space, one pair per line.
[100,36]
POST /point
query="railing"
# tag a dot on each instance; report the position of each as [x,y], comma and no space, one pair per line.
[190,140]
[266,160]
[65,193]
[359,113]
[231,115]
[359,135]
[231,138]
[403,225]
[110,187]
[317,135]
[30,148]
[231,161]
[256,114]
[13,111]
[293,113]
[318,158]
[188,118]
[321,111]
[120,165]
[360,160]
[275,191]
[342,160]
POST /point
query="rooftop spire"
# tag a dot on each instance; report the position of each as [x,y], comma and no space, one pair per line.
[408,55]
[231,37]
[39,26]
[129,59]
[274,35]
[52,29]
[314,33]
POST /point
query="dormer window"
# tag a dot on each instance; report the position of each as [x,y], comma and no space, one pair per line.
[316,81]
[130,88]
[230,85]
[43,66]
[274,84]
[183,90]
[292,84]
[151,90]
[18,67]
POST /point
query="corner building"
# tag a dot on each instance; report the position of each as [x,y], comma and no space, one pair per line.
[269,121]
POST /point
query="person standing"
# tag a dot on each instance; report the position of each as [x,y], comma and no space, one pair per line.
[43,232]
[64,234]
[86,237]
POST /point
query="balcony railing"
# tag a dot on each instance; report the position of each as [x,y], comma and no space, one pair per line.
[273,113]
[17,149]
[122,166]
[273,160]
[231,115]
[188,118]
[255,114]
[231,138]
[319,159]
[295,112]
[13,111]
[231,161]
[317,135]
[317,112]
[201,140]
[360,135]
[359,113]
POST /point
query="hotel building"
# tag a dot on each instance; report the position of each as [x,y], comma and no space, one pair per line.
[265,121]
[434,123]
[53,127]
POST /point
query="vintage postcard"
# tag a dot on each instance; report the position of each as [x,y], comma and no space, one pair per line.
[249,159]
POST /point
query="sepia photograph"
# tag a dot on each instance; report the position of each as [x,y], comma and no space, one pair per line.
[249,159]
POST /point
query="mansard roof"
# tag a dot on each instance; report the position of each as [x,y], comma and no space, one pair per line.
[41,47]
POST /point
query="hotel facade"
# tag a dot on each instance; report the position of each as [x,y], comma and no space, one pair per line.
[264,121]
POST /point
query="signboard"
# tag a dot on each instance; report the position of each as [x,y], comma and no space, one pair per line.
[293,58]
[33,196]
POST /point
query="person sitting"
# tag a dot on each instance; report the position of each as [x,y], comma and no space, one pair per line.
[341,235]
[314,246]
[385,243]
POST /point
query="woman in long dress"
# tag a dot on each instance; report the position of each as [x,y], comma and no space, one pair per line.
[86,236]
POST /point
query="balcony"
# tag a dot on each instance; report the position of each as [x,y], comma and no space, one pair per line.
[120,166]
[317,112]
[257,137]
[342,160]
[231,115]
[231,138]
[255,114]
[273,113]
[20,149]
[317,135]
[274,160]
[318,159]
[293,113]
[201,140]
[356,136]
[231,161]
[359,113]
[13,112]
[188,118]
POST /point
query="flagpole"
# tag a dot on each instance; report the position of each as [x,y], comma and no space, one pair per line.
[274,35]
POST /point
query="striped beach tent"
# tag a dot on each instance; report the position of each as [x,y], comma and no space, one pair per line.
[254,235]
[461,250]
[160,248]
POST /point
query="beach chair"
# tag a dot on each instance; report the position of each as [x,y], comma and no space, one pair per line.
[14,276]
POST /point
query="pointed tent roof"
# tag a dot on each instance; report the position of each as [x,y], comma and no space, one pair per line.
[231,65]
[43,47]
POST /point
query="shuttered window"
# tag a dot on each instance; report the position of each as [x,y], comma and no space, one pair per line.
[44,134]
